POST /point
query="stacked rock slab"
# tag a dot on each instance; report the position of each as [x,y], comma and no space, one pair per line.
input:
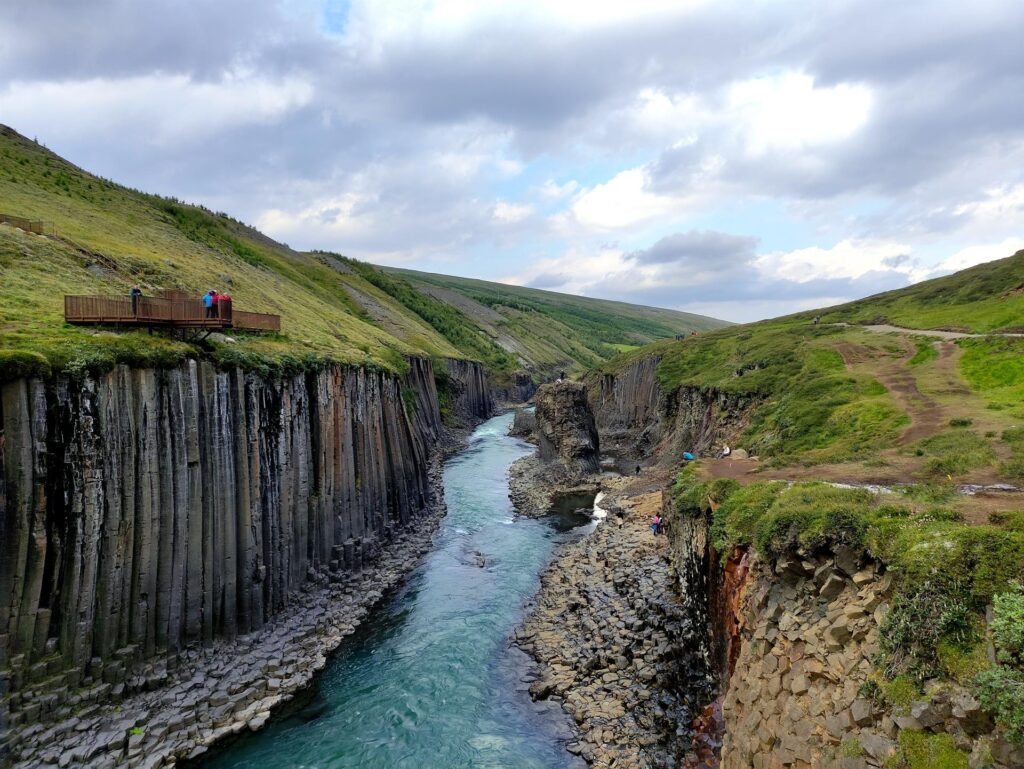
[566,430]
[809,644]
[144,511]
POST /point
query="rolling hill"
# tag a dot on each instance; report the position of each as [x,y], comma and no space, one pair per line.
[866,399]
[102,238]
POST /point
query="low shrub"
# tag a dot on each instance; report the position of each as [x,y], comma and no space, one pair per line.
[917,622]
[1001,690]
[1008,626]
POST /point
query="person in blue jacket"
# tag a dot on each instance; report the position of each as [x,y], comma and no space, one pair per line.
[208,303]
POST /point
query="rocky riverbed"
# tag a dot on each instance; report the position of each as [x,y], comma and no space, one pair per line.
[174,710]
[611,637]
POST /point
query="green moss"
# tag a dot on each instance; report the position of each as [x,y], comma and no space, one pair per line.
[812,516]
[962,664]
[898,692]
[919,750]
[851,748]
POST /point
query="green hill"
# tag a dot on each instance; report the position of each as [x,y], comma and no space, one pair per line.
[103,238]
[988,298]
[899,406]
[550,329]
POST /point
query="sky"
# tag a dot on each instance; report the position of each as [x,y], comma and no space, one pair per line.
[737,159]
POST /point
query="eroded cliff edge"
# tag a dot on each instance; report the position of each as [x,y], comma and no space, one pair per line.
[149,513]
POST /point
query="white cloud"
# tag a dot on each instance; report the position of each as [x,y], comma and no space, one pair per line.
[972,255]
[551,190]
[788,112]
[510,213]
[846,259]
[623,201]
[162,109]
[999,204]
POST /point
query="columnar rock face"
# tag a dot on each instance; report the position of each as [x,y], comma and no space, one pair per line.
[638,418]
[565,428]
[143,511]
[797,643]
[472,394]
[628,399]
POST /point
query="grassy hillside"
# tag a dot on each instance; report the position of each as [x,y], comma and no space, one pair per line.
[876,405]
[555,330]
[982,299]
[103,238]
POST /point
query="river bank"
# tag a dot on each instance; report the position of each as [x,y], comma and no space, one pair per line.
[612,640]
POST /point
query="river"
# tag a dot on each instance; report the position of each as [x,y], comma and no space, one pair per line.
[429,681]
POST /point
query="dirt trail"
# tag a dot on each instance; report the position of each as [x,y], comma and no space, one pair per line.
[926,415]
[885,328]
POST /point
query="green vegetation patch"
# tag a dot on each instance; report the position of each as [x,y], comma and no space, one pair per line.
[920,750]
[994,367]
[925,352]
[956,452]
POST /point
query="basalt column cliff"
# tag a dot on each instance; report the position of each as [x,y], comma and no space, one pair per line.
[145,511]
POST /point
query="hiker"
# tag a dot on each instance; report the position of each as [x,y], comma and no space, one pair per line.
[726,451]
[656,525]
[208,303]
[216,304]
[638,469]
[224,306]
[135,293]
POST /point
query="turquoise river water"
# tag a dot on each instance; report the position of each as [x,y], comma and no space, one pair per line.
[429,680]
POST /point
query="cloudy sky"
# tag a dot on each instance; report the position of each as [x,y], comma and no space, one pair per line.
[740,159]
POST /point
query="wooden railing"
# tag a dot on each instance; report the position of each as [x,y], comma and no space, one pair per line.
[155,311]
[256,321]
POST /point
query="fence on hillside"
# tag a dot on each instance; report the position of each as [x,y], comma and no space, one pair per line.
[37,226]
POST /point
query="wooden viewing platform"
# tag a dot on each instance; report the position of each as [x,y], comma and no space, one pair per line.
[172,310]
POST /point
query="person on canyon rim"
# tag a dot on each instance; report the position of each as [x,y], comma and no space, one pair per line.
[208,303]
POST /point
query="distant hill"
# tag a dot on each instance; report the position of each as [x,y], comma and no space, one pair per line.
[548,330]
[102,238]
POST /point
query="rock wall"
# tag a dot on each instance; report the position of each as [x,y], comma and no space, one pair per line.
[470,390]
[144,511]
[639,419]
[518,390]
[566,430]
[796,643]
